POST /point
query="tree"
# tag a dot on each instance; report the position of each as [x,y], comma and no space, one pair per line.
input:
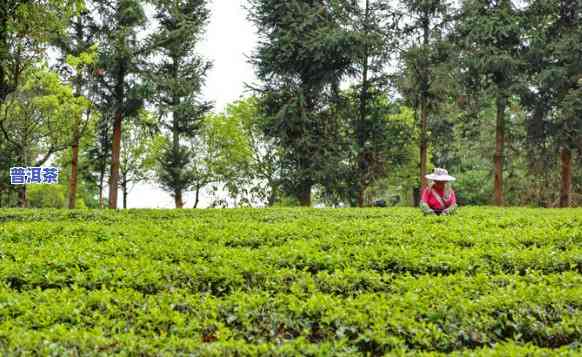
[488,34]
[35,118]
[136,159]
[98,152]
[229,154]
[426,65]
[176,80]
[388,132]
[117,67]
[375,24]
[25,29]
[554,91]
[304,51]
[265,158]
[78,49]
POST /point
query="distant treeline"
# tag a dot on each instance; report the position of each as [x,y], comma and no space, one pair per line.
[354,101]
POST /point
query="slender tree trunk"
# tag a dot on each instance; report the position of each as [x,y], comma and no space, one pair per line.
[116,142]
[76,135]
[361,200]
[271,200]
[361,127]
[74,167]
[178,198]
[566,177]
[424,108]
[22,196]
[176,119]
[197,199]
[305,163]
[305,195]
[499,144]
[101,179]
[125,193]
[423,144]
[115,152]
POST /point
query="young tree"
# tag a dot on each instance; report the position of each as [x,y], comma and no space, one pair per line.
[425,59]
[36,117]
[177,77]
[375,24]
[136,160]
[98,152]
[78,48]
[265,160]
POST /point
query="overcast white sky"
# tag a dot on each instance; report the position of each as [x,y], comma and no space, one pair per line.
[229,38]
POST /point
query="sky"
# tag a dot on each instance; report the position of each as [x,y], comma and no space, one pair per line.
[229,38]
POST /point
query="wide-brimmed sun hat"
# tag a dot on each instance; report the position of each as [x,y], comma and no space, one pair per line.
[440,175]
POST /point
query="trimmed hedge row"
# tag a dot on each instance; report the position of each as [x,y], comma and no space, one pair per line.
[291,282]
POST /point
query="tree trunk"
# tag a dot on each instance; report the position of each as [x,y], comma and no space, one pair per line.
[566,177]
[416,194]
[197,199]
[125,193]
[74,170]
[361,127]
[424,87]
[76,128]
[273,195]
[101,179]
[499,143]
[176,120]
[423,145]
[178,199]
[22,196]
[115,151]
[361,200]
[305,195]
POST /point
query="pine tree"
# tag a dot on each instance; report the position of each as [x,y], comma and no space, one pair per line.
[303,54]
[424,57]
[554,91]
[77,45]
[117,68]
[176,80]
[489,38]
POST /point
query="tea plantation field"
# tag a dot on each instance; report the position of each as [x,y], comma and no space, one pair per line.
[287,282]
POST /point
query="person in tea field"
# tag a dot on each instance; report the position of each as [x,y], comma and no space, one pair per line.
[438,198]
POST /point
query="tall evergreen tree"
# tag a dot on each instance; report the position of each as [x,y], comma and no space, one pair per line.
[118,58]
[177,79]
[302,55]
[424,57]
[554,91]
[488,34]
[375,23]
[77,45]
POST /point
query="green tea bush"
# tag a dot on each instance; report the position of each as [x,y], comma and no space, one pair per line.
[286,282]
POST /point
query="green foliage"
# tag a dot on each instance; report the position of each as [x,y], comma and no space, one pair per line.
[291,281]
[36,119]
[25,29]
[304,51]
[553,95]
[48,196]
[175,77]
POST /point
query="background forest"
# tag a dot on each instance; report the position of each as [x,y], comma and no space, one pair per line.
[354,102]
